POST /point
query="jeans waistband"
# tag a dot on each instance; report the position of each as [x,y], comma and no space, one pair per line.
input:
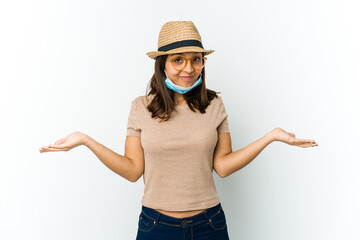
[157,216]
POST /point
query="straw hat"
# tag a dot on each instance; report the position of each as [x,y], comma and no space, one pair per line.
[178,37]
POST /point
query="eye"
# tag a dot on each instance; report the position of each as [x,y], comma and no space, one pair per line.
[178,60]
[197,59]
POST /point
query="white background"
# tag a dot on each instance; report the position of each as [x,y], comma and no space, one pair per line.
[76,65]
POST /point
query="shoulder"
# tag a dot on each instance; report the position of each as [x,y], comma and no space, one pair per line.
[218,98]
[142,100]
[217,101]
[218,108]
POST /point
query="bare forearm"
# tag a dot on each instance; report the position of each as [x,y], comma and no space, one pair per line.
[234,161]
[114,161]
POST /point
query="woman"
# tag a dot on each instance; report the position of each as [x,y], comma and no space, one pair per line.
[180,130]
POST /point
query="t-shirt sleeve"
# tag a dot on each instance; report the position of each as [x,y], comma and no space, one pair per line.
[223,118]
[132,125]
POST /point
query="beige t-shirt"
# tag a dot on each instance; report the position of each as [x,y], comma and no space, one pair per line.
[178,153]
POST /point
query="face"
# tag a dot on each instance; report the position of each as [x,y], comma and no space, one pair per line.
[188,75]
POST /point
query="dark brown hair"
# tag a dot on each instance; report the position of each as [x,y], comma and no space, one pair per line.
[163,103]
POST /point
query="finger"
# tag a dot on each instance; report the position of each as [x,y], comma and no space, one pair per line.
[312,140]
[45,149]
[307,145]
[303,141]
[51,149]
[56,146]
[51,146]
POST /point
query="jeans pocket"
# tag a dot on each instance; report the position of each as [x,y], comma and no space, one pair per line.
[146,223]
[218,220]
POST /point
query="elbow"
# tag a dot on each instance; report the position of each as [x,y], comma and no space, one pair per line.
[221,173]
[134,178]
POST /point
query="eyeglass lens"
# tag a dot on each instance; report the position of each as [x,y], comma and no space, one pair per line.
[179,63]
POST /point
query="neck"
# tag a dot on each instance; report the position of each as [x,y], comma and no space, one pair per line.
[179,99]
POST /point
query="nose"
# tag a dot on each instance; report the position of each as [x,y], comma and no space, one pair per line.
[188,68]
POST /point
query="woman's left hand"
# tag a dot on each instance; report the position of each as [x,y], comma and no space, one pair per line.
[278,134]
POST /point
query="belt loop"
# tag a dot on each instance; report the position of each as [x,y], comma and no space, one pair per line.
[157,218]
[205,214]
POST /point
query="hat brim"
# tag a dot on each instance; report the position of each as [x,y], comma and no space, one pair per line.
[155,54]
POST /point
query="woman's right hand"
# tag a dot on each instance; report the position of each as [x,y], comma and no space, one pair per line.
[65,144]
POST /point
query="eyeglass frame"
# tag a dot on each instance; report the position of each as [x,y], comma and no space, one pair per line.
[186,62]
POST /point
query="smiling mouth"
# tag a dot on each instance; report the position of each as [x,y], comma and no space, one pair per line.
[187,79]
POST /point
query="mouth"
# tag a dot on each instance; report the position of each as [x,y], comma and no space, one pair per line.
[186,77]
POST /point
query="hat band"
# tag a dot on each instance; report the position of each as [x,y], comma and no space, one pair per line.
[179,44]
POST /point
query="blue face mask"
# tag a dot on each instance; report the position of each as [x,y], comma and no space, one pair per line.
[169,84]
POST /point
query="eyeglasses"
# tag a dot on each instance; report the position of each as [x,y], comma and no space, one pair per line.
[180,63]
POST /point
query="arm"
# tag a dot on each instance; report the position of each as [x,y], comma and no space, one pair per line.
[130,166]
[227,162]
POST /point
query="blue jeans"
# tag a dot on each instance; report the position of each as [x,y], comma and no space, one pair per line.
[207,225]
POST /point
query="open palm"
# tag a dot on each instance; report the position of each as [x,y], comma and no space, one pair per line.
[65,144]
[289,138]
